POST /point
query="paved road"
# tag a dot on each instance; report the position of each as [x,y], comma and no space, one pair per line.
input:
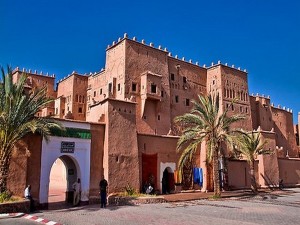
[271,209]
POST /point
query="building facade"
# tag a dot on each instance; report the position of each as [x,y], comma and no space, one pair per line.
[129,107]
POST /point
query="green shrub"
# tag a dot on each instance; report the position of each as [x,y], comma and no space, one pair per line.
[129,190]
[5,196]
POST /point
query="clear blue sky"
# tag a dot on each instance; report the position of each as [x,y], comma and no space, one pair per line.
[59,36]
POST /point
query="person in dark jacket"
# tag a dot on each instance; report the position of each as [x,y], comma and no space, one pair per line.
[103,192]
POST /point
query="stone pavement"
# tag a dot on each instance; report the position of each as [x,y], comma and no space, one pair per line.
[235,207]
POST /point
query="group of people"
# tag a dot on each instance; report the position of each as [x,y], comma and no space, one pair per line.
[77,192]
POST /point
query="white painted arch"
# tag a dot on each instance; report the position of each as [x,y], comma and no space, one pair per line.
[80,157]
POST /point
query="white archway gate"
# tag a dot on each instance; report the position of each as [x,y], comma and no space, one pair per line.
[79,154]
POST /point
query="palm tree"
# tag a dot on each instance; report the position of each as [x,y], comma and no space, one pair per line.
[250,145]
[17,118]
[206,122]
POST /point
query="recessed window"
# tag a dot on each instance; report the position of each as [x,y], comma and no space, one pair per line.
[100,91]
[133,87]
[176,99]
[158,117]
[79,110]
[187,102]
[172,76]
[184,79]
[94,93]
[119,87]
[153,88]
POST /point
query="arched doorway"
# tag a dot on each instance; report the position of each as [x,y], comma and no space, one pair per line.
[63,174]
[168,183]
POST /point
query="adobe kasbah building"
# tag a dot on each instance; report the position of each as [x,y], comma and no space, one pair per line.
[120,124]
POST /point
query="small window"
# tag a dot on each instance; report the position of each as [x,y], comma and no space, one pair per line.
[133,87]
[119,87]
[110,87]
[144,117]
[153,88]
[63,111]
[79,110]
[232,107]
[79,98]
[162,94]
[172,76]
[241,109]
[158,117]
[100,91]
[246,109]
[214,82]
[83,99]
[184,79]
[187,102]
[176,99]
[94,93]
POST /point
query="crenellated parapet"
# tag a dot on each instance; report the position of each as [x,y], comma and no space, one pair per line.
[31,72]
[219,63]
[265,99]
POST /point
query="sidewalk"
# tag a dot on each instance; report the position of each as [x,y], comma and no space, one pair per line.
[196,195]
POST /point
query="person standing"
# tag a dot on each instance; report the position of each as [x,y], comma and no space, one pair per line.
[27,195]
[103,191]
[77,190]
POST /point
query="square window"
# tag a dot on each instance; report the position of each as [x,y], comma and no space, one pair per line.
[187,102]
[133,87]
[153,88]
[172,76]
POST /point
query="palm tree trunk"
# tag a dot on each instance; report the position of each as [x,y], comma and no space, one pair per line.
[252,177]
[217,191]
[3,175]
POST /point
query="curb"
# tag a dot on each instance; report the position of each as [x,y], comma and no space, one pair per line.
[40,220]
[10,215]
